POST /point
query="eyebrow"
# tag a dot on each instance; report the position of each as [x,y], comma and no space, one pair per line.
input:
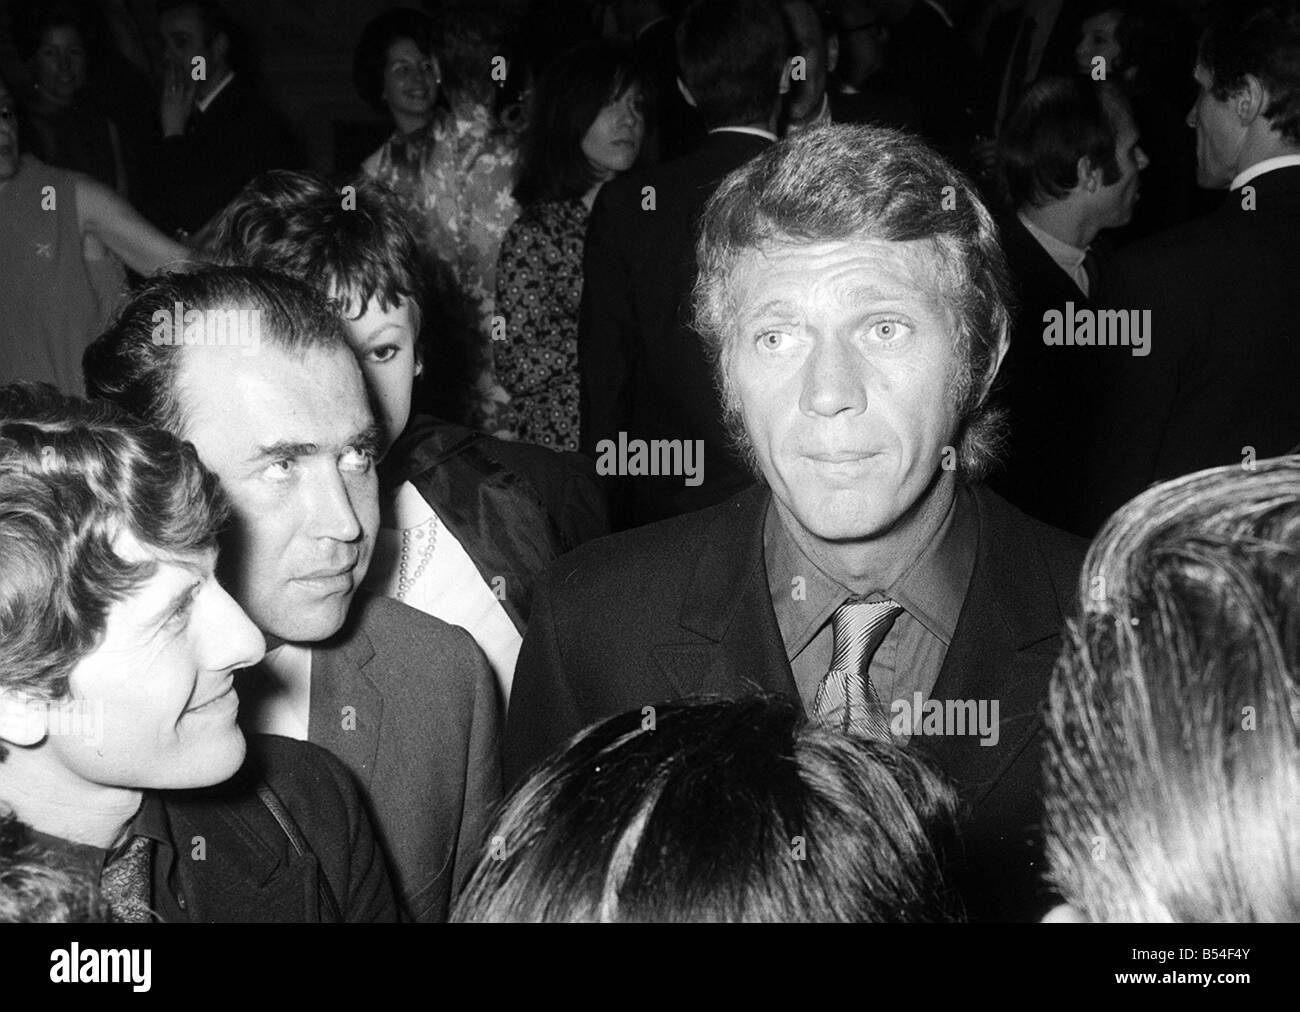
[369,439]
[188,592]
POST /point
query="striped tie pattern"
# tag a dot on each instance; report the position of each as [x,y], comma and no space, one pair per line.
[846,699]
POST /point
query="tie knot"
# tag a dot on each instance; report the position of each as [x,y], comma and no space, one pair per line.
[858,627]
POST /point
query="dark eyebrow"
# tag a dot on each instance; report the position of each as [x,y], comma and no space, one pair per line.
[370,439]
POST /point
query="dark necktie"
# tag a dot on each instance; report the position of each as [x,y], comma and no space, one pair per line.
[126,883]
[846,698]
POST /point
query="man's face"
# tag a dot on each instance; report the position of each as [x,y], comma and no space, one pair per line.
[1120,197]
[1097,38]
[843,357]
[8,135]
[1220,135]
[293,442]
[384,342]
[809,42]
[184,36]
[158,692]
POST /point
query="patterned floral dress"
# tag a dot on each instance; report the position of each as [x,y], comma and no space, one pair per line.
[457,176]
[539,290]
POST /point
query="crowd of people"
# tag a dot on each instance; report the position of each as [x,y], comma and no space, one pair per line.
[657,483]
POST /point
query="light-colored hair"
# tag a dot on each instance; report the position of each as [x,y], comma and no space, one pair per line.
[1173,761]
[841,183]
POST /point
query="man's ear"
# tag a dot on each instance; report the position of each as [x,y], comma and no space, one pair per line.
[686,93]
[1087,176]
[832,54]
[221,46]
[787,69]
[24,721]
[1250,100]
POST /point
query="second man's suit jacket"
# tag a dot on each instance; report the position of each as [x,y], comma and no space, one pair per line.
[643,369]
[683,608]
[409,704]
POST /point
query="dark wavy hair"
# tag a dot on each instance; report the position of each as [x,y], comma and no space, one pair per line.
[718,811]
[74,478]
[1058,121]
[572,91]
[1172,765]
[847,182]
[1260,38]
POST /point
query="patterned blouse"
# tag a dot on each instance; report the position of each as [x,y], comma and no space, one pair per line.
[539,290]
[457,175]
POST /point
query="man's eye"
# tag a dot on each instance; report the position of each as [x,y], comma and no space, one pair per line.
[888,331]
[384,353]
[773,340]
[278,470]
[356,458]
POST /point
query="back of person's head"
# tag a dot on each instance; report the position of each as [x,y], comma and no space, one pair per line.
[570,94]
[135,363]
[353,242]
[731,54]
[718,811]
[75,478]
[1173,758]
[1058,122]
[36,888]
[1260,39]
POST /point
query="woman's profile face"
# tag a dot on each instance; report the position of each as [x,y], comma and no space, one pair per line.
[613,140]
[60,64]
[411,80]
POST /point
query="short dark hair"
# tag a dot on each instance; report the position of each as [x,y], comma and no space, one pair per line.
[1260,38]
[849,182]
[126,366]
[74,476]
[569,96]
[216,19]
[1172,765]
[718,811]
[1058,121]
[731,53]
[357,242]
[372,51]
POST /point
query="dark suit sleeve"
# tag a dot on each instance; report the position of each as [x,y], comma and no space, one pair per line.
[543,711]
[483,780]
[606,329]
[582,515]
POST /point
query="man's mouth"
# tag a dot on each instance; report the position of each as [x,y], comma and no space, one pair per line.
[214,702]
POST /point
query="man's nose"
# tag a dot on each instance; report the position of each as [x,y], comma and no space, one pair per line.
[230,638]
[833,380]
[334,515]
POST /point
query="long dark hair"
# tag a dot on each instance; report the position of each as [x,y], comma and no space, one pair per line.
[570,94]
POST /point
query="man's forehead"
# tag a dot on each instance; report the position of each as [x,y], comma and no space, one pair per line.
[910,264]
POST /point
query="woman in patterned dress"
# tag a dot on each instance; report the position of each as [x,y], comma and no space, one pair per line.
[586,127]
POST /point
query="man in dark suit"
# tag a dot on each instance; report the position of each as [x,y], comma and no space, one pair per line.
[1071,159]
[217,131]
[1220,385]
[407,701]
[870,576]
[642,367]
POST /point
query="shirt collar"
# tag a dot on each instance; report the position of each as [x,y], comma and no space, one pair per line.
[745,130]
[1267,165]
[203,103]
[1062,252]
[932,589]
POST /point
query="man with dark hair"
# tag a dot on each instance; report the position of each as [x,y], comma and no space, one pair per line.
[218,133]
[1220,383]
[857,319]
[1173,758]
[254,369]
[725,811]
[643,374]
[500,512]
[814,52]
[1071,158]
[119,649]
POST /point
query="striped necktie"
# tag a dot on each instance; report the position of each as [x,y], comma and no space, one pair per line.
[846,698]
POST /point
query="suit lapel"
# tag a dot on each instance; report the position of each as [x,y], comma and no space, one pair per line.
[347,707]
[1006,638]
[731,644]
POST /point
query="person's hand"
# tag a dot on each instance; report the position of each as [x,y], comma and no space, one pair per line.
[177,100]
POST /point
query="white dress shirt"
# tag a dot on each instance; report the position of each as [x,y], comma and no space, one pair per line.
[1259,168]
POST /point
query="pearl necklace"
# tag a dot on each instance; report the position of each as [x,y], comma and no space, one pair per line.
[426,534]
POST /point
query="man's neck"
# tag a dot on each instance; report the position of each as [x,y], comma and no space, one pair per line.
[1270,147]
[876,563]
[53,801]
[1063,220]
